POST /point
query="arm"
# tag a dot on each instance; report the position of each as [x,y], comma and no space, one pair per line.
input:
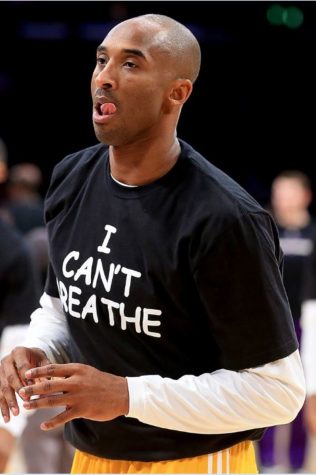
[46,342]
[213,403]
[223,401]
[252,328]
[48,330]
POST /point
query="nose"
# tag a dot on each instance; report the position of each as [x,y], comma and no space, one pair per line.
[106,77]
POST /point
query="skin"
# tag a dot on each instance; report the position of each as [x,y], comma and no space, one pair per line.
[149,97]
[310,414]
[141,71]
[6,448]
[290,201]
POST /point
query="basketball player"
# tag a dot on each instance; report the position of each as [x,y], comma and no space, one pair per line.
[164,316]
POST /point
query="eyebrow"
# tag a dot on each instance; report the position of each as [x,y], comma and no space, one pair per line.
[133,51]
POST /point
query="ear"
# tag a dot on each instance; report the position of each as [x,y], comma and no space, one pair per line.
[181,91]
[308,198]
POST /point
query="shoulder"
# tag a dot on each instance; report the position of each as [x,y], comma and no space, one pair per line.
[217,194]
[311,229]
[77,162]
[69,176]
[216,186]
[222,212]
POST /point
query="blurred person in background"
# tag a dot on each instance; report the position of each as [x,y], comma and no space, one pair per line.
[22,209]
[308,349]
[25,202]
[282,448]
[19,294]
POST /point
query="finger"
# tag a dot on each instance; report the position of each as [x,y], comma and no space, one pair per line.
[3,403]
[51,370]
[5,412]
[9,374]
[10,401]
[59,420]
[7,382]
[54,400]
[25,359]
[46,387]
[22,361]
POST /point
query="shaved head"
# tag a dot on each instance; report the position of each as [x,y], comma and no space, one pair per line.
[145,69]
[175,41]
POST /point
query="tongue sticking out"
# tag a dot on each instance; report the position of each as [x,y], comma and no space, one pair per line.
[108,108]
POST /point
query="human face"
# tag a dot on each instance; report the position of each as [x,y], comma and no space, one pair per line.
[130,84]
[289,195]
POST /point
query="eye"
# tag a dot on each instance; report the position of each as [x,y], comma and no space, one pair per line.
[130,64]
[101,60]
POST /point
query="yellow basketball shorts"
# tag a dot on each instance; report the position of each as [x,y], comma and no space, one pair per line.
[237,459]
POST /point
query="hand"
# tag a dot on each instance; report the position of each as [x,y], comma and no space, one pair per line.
[310,413]
[12,376]
[82,390]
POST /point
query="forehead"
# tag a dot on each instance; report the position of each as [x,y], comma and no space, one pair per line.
[144,35]
[287,183]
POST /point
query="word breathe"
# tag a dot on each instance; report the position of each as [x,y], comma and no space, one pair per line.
[93,274]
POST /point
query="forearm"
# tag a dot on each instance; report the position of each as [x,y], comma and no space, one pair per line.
[223,401]
[48,330]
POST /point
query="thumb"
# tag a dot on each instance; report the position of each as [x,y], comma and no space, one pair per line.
[45,361]
[38,358]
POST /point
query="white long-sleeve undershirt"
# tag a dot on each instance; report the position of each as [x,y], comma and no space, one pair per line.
[212,403]
[48,330]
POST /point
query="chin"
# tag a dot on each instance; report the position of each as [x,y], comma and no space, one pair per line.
[108,138]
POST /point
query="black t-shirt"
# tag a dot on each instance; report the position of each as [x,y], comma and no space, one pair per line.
[297,246]
[181,276]
[19,284]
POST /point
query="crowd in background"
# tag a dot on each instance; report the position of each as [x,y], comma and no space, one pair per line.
[23,264]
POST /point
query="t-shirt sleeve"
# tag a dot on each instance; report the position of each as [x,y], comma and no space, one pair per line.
[239,280]
[51,282]
[57,200]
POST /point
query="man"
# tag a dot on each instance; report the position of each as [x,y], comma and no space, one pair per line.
[164,287]
[283,448]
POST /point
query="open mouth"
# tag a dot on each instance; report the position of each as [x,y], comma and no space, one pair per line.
[107,108]
[104,109]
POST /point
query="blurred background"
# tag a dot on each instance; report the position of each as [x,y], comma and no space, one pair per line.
[251,114]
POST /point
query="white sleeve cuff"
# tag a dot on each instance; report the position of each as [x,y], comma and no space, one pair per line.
[137,394]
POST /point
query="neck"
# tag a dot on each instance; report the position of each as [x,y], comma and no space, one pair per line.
[143,162]
[293,219]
